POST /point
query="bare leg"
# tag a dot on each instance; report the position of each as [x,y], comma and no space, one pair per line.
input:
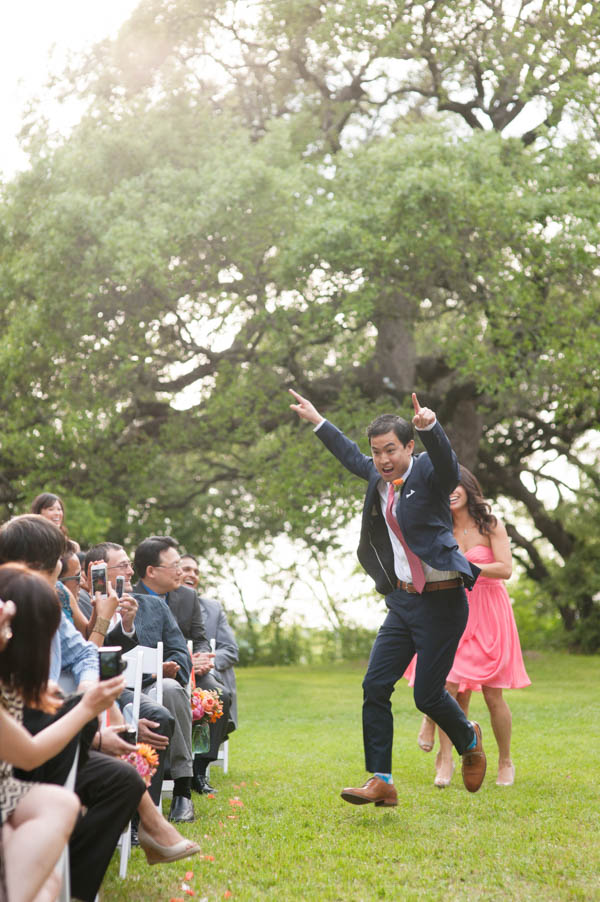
[426,737]
[501,719]
[463,699]
[50,889]
[444,763]
[155,824]
[41,826]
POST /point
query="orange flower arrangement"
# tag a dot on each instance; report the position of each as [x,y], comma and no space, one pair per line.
[207,706]
[144,759]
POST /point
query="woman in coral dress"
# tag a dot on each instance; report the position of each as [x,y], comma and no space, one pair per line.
[488,657]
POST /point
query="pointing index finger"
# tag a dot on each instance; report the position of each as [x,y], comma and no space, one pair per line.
[416,404]
[295,394]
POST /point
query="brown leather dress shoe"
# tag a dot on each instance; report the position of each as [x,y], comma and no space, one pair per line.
[374,790]
[474,763]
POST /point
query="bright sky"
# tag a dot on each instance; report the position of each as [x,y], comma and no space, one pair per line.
[35,38]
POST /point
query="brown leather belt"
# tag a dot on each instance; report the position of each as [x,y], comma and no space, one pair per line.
[432,587]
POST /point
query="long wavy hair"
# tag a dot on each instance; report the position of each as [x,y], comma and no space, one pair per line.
[478,507]
[25,661]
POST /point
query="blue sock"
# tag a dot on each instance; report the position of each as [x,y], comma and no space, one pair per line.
[473,744]
[386,777]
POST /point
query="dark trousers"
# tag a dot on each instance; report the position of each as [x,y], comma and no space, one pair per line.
[109,788]
[220,728]
[151,710]
[431,625]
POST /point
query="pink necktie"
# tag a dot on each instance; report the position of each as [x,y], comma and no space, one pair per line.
[416,567]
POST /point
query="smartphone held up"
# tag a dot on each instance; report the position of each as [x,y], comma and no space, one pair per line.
[111,661]
[99,580]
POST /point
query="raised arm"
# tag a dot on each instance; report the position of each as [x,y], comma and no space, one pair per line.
[347,452]
[443,458]
[18,747]
[305,410]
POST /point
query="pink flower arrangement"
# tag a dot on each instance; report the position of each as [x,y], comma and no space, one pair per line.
[144,759]
[207,706]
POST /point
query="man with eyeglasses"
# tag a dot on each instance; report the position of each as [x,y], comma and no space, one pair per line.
[145,619]
[158,565]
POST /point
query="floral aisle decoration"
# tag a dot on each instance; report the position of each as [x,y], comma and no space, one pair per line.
[207,707]
[145,760]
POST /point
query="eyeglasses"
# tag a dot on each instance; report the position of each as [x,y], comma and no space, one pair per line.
[175,566]
[74,579]
[124,565]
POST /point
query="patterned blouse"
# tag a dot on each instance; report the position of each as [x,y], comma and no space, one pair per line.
[11,789]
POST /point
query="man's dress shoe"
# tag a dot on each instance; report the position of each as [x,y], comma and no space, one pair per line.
[201,785]
[182,810]
[374,790]
[474,763]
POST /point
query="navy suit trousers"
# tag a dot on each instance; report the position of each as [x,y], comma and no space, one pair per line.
[431,625]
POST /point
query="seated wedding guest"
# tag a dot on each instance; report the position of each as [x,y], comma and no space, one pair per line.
[51,507]
[110,789]
[69,579]
[157,562]
[217,630]
[153,623]
[38,818]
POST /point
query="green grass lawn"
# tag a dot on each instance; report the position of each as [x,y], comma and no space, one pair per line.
[293,838]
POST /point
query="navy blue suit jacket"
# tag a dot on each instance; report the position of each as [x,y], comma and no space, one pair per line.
[422,509]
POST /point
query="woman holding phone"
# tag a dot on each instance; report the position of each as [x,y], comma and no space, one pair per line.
[37,819]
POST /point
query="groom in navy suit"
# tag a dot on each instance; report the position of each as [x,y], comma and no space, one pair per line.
[407,546]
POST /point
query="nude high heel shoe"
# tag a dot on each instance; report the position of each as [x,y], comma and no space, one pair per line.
[157,854]
[426,737]
[506,776]
[442,782]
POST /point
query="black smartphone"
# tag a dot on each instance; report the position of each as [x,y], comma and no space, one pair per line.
[120,586]
[129,735]
[111,661]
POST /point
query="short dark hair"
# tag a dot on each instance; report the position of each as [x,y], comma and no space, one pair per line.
[389,422]
[148,553]
[25,661]
[66,557]
[99,552]
[191,558]
[32,540]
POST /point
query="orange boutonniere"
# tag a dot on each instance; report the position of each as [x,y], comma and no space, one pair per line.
[397,483]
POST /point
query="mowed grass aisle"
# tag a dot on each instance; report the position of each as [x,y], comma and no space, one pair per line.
[279,830]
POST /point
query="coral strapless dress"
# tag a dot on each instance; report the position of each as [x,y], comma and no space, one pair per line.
[489,652]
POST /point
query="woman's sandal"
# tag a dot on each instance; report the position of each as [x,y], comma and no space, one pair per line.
[426,737]
[157,854]
[509,779]
[443,782]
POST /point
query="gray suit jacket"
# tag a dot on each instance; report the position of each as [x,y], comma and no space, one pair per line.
[186,610]
[226,648]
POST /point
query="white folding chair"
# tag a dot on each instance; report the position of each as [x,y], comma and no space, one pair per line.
[133,680]
[63,862]
[223,753]
[151,662]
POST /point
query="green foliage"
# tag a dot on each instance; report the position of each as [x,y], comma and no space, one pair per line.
[538,621]
[278,644]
